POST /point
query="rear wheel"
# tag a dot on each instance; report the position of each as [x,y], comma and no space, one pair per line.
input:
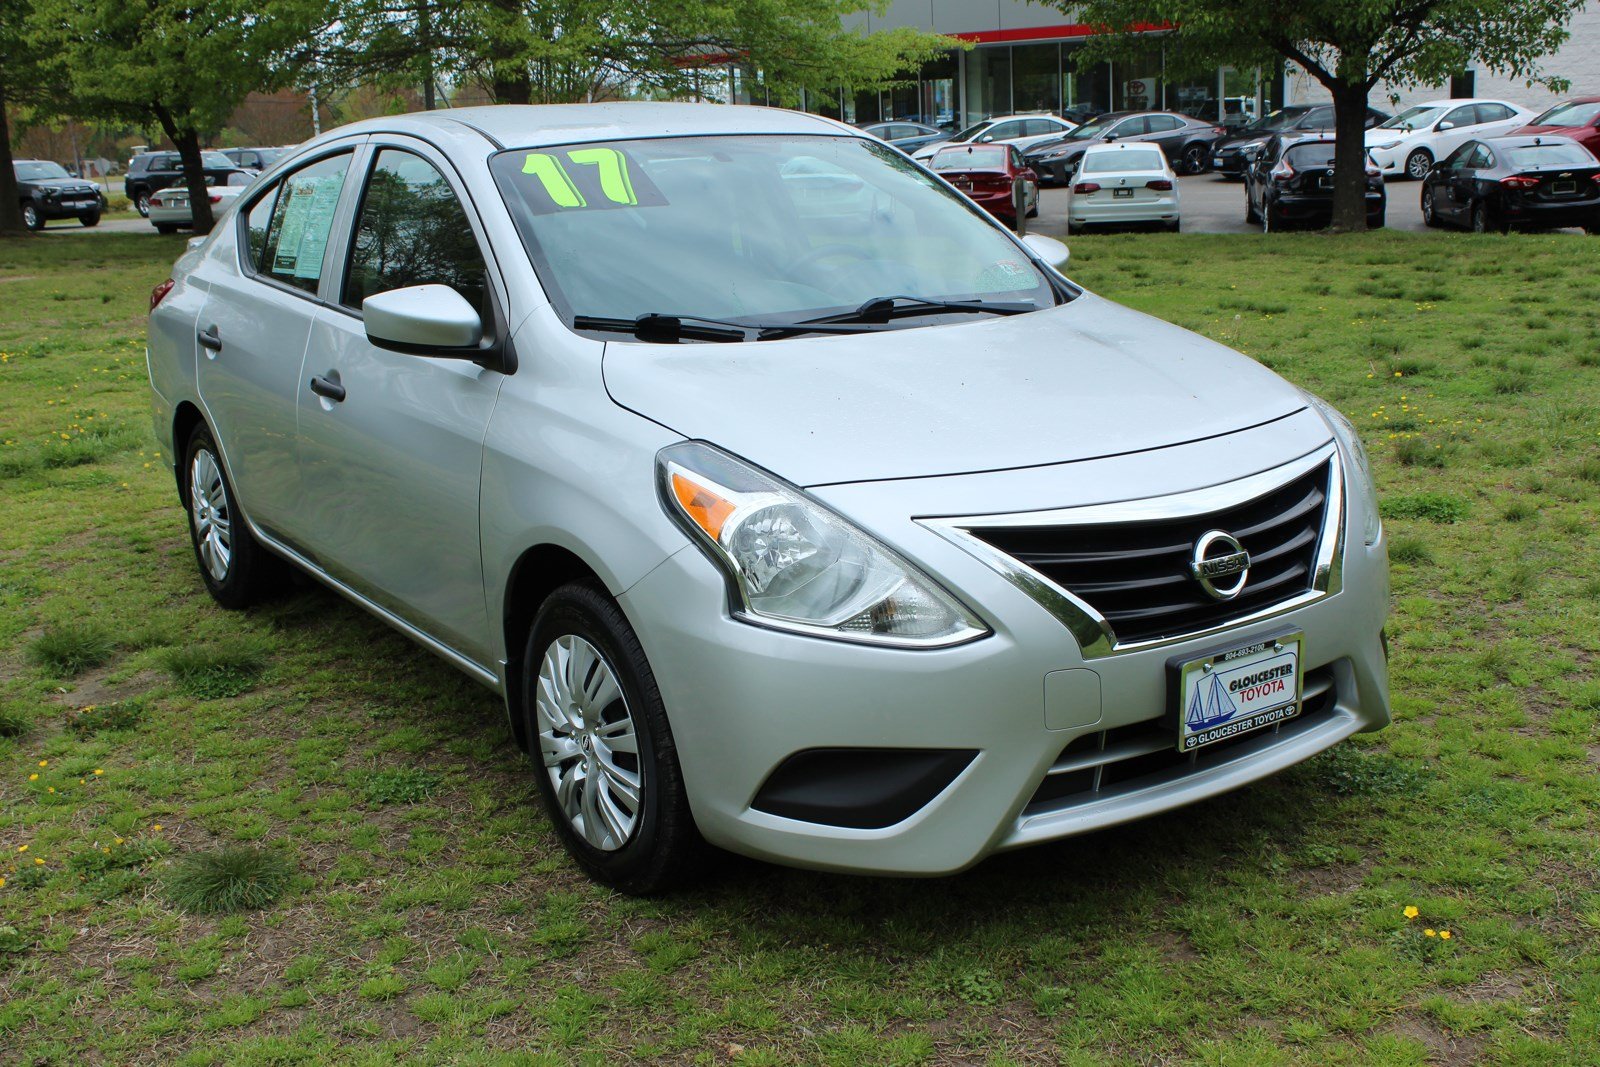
[1175,226]
[1428,216]
[608,768]
[1267,224]
[1418,164]
[1250,207]
[1483,222]
[1194,159]
[237,571]
[166,227]
[31,218]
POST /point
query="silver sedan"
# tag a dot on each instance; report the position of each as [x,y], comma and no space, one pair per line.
[792,504]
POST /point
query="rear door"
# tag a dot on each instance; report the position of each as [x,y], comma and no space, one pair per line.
[252,331]
[1460,180]
[390,472]
[1168,131]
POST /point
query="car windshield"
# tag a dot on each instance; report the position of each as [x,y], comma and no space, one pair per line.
[756,228]
[1281,119]
[1569,114]
[1551,155]
[972,131]
[1121,160]
[1412,118]
[32,172]
[982,158]
[1093,128]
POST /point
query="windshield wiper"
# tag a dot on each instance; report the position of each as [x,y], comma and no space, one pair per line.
[668,329]
[880,309]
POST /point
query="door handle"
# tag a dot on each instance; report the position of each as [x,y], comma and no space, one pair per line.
[211,338]
[328,387]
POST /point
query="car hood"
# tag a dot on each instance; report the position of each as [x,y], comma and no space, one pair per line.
[1081,381]
[1377,136]
[1577,133]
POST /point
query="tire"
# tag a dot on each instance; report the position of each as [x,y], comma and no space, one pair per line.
[166,227]
[1483,223]
[1267,225]
[141,204]
[1376,223]
[1429,217]
[31,218]
[1194,159]
[656,846]
[1175,226]
[1250,207]
[90,221]
[1418,164]
[242,573]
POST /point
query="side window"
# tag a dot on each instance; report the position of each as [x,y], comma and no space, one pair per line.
[257,221]
[1493,112]
[1016,158]
[1163,123]
[302,218]
[1458,158]
[1318,118]
[1130,128]
[1004,131]
[1462,116]
[412,230]
[1484,158]
[1038,128]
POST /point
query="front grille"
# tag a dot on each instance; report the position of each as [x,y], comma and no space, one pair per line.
[1125,759]
[1136,574]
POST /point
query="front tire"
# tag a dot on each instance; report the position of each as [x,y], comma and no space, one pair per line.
[1418,164]
[1250,215]
[237,571]
[1429,216]
[141,204]
[90,221]
[607,766]
[31,218]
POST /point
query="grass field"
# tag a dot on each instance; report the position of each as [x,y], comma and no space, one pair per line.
[424,911]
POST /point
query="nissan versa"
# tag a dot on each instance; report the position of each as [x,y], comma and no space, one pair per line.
[792,504]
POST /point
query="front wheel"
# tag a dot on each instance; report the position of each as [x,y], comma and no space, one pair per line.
[1418,164]
[90,220]
[237,571]
[1429,218]
[1250,207]
[141,204]
[31,218]
[608,768]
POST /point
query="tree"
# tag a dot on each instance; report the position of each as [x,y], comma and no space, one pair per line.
[1348,46]
[24,80]
[186,64]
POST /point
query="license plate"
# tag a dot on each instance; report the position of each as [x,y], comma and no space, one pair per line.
[1122,192]
[1230,693]
[1216,161]
[80,203]
[1563,187]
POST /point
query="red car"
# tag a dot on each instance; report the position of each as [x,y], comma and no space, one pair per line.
[1578,118]
[989,174]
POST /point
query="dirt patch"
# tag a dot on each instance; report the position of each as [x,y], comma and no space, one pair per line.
[1452,1050]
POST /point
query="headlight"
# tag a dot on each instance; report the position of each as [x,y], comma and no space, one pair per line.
[793,564]
[1385,146]
[1361,467]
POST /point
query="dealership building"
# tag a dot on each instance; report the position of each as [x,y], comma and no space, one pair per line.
[1025,57]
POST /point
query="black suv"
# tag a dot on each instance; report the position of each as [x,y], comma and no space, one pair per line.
[1231,157]
[162,170]
[256,159]
[1186,142]
[49,192]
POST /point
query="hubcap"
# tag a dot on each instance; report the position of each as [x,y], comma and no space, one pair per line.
[1419,167]
[588,743]
[212,514]
[30,215]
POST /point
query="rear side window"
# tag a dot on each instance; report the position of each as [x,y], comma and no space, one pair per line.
[413,231]
[1494,113]
[1318,118]
[1163,123]
[302,218]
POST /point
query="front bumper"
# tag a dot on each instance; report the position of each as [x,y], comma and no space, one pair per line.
[743,699]
[69,208]
[1531,214]
[1391,161]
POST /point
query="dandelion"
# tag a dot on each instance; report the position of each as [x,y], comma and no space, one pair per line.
[156,827]
[52,789]
[98,771]
[22,848]
[34,777]
[2,883]
[1411,911]
[44,763]
[1431,932]
[1444,935]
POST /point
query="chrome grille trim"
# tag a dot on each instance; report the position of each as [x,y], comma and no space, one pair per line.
[1094,634]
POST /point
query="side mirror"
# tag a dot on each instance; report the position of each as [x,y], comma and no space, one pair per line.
[1445,125]
[985,138]
[1048,249]
[425,320]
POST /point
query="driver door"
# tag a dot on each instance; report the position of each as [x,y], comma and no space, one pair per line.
[1458,126]
[390,462]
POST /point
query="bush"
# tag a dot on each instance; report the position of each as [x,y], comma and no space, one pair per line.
[240,878]
[15,720]
[70,648]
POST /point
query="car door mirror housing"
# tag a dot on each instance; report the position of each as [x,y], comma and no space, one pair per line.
[431,320]
[1443,126]
[1050,250]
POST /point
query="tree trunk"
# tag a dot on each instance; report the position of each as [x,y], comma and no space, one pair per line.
[1349,157]
[512,87]
[187,142]
[10,201]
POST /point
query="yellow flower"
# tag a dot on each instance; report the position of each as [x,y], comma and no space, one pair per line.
[1411,911]
[156,827]
[1430,932]
[44,763]
[2,883]
[52,789]
[22,848]
[1444,935]
[97,770]
[34,777]
[38,861]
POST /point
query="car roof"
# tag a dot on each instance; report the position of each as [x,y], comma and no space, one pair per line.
[1527,140]
[1458,101]
[1106,148]
[539,125]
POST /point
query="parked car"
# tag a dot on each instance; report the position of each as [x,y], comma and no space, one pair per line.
[1123,183]
[1526,183]
[1231,155]
[1185,141]
[1409,144]
[256,159]
[1578,119]
[1020,130]
[48,192]
[159,170]
[992,176]
[1290,182]
[906,136]
[880,549]
[170,210]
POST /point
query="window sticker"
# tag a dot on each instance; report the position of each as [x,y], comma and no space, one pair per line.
[586,178]
[307,220]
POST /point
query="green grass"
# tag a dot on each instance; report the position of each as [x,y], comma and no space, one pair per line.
[239,878]
[433,918]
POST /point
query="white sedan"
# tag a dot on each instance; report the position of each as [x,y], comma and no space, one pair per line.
[1024,131]
[1410,143]
[1123,182]
[170,208]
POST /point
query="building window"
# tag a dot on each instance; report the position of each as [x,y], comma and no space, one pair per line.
[1035,79]
[988,82]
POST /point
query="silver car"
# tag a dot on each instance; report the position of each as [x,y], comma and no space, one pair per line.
[791,503]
